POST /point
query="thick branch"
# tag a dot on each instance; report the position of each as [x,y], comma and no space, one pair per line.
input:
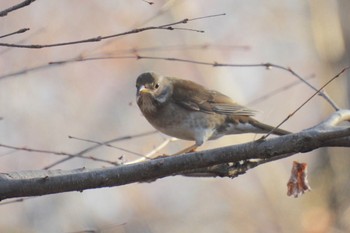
[34,183]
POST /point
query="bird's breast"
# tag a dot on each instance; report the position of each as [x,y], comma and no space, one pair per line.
[178,122]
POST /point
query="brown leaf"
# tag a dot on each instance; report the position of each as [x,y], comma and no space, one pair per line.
[298,183]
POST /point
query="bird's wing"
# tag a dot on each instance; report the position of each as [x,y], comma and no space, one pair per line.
[195,97]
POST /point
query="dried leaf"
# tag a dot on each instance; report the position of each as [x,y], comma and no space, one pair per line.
[298,183]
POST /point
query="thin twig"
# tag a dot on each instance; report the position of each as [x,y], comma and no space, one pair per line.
[204,46]
[26,38]
[163,9]
[166,6]
[26,70]
[275,92]
[149,2]
[186,29]
[168,26]
[57,153]
[147,156]
[16,32]
[86,150]
[8,152]
[321,93]
[208,16]
[305,102]
[214,64]
[15,7]
[15,200]
[106,144]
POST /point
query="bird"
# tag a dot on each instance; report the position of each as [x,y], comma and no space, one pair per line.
[187,110]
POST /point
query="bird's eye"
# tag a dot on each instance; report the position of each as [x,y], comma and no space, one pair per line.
[156,86]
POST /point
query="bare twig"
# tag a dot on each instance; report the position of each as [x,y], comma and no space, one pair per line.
[305,102]
[321,92]
[15,201]
[147,156]
[166,6]
[26,70]
[149,2]
[168,26]
[204,46]
[8,152]
[86,150]
[275,92]
[16,32]
[15,7]
[106,144]
[57,153]
[26,38]
[214,64]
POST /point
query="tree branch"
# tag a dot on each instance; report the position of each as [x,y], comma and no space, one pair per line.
[168,26]
[214,64]
[15,7]
[16,32]
[89,149]
[34,183]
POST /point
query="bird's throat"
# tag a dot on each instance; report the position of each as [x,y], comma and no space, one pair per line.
[147,104]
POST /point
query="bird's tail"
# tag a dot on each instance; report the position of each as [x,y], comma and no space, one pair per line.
[268,128]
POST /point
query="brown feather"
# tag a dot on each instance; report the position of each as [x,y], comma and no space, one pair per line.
[195,97]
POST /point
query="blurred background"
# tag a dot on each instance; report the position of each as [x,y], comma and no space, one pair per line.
[95,100]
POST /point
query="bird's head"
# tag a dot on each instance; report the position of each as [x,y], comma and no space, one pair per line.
[153,90]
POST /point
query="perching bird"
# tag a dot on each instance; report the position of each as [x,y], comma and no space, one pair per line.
[186,110]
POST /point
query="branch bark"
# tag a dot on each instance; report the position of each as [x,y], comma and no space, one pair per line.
[35,183]
[15,7]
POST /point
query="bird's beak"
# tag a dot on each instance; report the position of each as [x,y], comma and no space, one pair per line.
[143,90]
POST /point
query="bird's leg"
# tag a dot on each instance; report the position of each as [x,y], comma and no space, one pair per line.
[199,141]
[188,149]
